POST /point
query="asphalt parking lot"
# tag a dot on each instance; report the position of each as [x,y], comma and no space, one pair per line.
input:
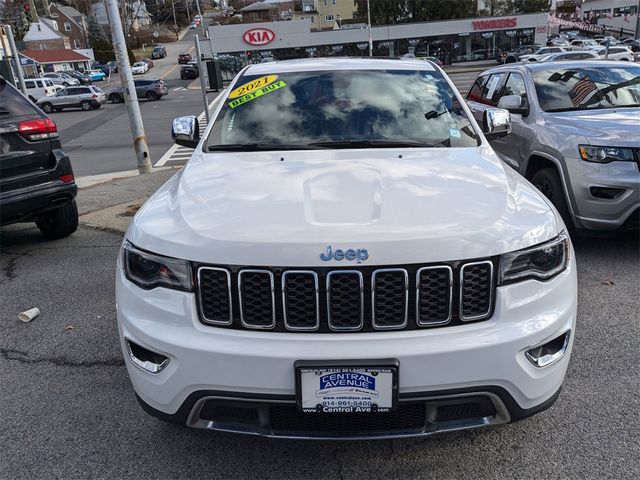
[68,410]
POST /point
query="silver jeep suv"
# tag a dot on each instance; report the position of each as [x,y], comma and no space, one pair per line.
[575,135]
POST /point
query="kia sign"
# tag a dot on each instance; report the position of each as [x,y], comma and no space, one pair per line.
[493,24]
[258,36]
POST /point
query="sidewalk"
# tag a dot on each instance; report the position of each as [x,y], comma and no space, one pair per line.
[111,205]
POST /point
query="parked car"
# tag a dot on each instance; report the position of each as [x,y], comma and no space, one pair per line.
[148,61]
[184,58]
[361,265]
[514,55]
[158,52]
[39,87]
[573,55]
[104,68]
[540,53]
[584,44]
[95,75]
[608,38]
[189,71]
[36,178]
[139,68]
[150,89]
[83,78]
[616,53]
[84,97]
[62,79]
[574,135]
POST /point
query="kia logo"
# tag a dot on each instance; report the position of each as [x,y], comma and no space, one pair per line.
[258,36]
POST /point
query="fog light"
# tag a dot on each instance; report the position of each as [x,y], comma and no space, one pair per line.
[145,359]
[550,352]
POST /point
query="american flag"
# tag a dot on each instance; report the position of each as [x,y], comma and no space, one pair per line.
[581,90]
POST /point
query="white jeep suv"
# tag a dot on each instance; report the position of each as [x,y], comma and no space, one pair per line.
[344,256]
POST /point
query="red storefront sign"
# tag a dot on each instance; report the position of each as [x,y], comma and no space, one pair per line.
[258,36]
[495,23]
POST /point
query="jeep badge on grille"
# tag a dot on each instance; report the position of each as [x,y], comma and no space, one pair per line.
[358,255]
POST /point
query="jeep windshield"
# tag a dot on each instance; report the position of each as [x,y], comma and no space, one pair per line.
[592,87]
[341,109]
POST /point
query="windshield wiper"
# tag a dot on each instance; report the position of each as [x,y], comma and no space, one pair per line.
[254,147]
[374,144]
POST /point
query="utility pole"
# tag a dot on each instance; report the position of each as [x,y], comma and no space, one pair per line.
[369,28]
[129,89]
[16,59]
[202,84]
[204,31]
[638,22]
[175,23]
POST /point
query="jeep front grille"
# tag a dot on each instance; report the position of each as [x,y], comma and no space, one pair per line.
[348,299]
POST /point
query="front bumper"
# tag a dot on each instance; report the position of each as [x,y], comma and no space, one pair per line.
[485,359]
[594,212]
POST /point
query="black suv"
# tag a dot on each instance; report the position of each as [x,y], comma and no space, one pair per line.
[36,179]
[189,71]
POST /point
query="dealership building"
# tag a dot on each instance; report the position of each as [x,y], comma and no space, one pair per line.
[453,41]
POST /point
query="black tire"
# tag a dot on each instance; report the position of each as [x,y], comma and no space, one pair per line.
[47,107]
[115,98]
[65,84]
[86,105]
[59,223]
[548,182]
[151,96]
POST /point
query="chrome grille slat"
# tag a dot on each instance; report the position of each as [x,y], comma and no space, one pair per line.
[343,304]
[381,312]
[476,290]
[213,300]
[255,314]
[297,304]
[431,310]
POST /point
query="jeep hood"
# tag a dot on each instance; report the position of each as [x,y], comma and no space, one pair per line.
[285,208]
[614,127]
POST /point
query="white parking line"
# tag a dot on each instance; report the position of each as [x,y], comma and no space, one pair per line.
[180,153]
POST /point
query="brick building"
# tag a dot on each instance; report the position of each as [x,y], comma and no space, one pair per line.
[71,23]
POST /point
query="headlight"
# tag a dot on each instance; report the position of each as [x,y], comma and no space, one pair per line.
[150,271]
[605,154]
[540,262]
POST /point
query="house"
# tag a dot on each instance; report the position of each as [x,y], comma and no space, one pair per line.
[72,23]
[45,34]
[324,14]
[139,17]
[36,62]
[259,12]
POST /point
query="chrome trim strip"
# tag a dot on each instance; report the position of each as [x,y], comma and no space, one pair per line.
[548,360]
[450,316]
[491,288]
[284,300]
[345,329]
[209,320]
[147,366]
[273,300]
[373,299]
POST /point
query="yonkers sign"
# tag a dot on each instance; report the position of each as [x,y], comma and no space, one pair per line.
[258,36]
[495,23]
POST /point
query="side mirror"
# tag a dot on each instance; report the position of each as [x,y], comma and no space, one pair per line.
[186,131]
[496,123]
[513,103]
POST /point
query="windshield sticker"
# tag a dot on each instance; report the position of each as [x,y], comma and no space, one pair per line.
[253,85]
[454,133]
[257,93]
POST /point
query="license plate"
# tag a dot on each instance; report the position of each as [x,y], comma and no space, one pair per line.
[347,386]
